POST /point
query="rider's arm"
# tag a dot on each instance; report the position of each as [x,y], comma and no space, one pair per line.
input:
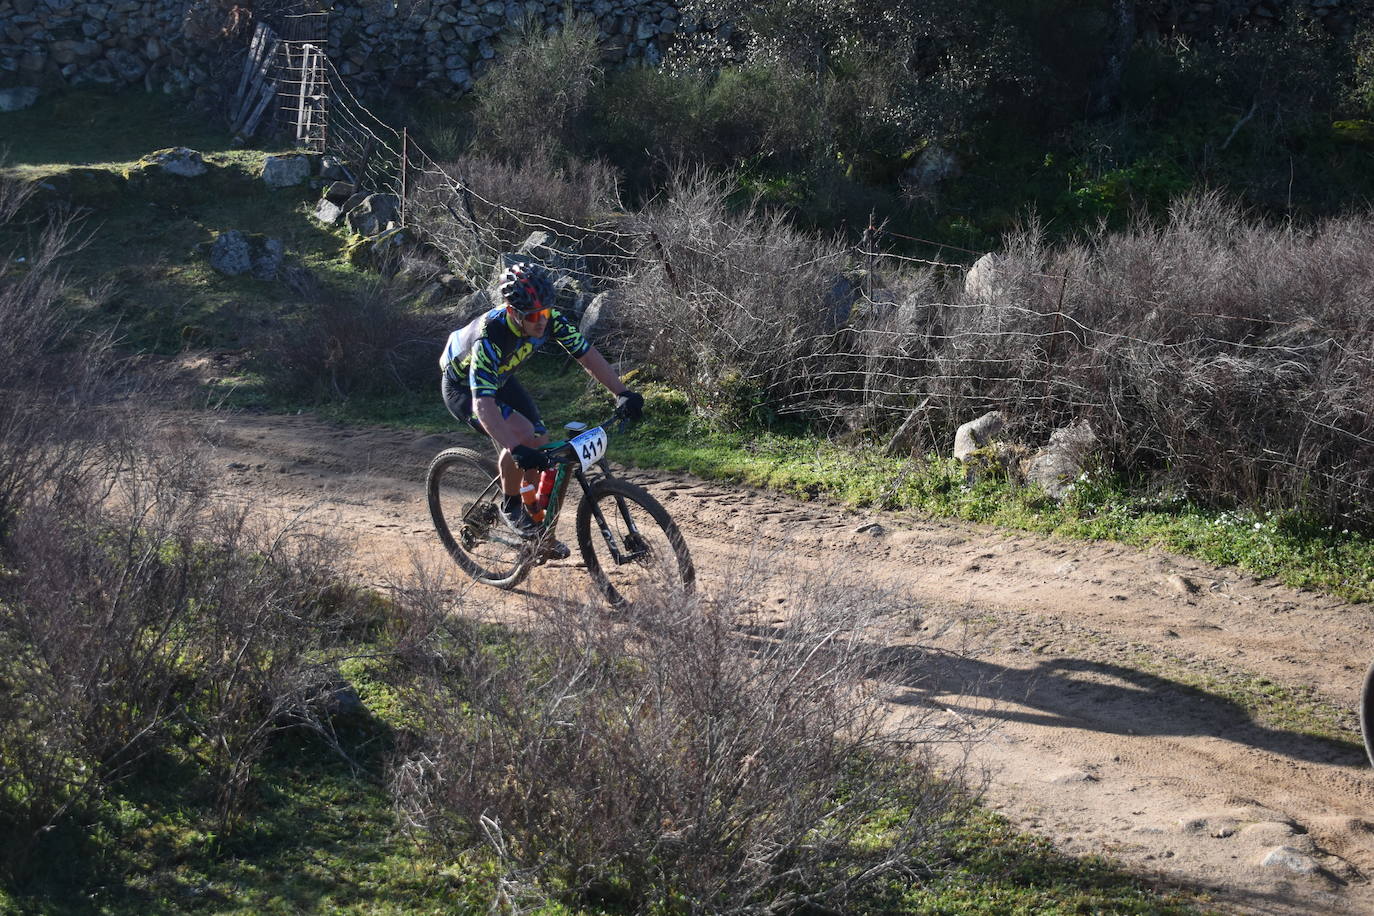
[599,369]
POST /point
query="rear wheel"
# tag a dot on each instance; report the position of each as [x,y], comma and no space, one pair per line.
[641,554]
[1367,713]
[464,501]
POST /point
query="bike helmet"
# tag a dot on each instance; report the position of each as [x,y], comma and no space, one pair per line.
[526,287]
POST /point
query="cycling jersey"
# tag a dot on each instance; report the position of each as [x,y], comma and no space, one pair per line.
[492,346]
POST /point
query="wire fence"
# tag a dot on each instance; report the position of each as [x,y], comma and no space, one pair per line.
[1251,373]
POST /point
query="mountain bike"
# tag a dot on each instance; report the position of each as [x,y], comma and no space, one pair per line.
[636,551]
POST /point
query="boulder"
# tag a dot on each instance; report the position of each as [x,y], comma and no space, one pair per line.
[977,434]
[381,253]
[600,319]
[1057,466]
[934,165]
[235,253]
[838,303]
[328,212]
[373,215]
[558,254]
[332,169]
[340,191]
[18,98]
[986,280]
[567,296]
[179,160]
[285,171]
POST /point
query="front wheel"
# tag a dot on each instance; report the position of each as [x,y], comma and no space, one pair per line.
[1367,713]
[464,501]
[633,550]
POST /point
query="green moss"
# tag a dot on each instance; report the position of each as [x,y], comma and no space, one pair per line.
[1360,133]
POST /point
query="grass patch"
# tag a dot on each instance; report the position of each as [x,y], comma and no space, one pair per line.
[1298,709]
[85,127]
[995,869]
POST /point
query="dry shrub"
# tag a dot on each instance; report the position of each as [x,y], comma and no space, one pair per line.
[353,343]
[157,618]
[1214,355]
[136,613]
[677,759]
[481,206]
[730,306]
[63,413]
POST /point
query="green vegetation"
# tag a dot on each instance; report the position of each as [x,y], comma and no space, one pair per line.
[213,804]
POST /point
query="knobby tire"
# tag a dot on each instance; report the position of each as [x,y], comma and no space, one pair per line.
[666,567]
[455,479]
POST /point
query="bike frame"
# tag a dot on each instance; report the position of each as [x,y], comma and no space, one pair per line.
[569,469]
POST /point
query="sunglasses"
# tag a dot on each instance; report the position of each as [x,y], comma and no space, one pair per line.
[535,314]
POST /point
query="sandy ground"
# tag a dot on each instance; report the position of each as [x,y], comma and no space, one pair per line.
[1064,657]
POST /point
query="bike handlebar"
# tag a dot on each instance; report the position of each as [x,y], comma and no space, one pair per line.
[564,454]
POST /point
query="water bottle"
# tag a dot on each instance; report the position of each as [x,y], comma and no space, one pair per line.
[546,479]
[530,497]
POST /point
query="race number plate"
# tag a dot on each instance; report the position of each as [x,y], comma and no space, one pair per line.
[591,446]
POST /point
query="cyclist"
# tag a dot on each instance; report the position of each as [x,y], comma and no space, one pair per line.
[480,388]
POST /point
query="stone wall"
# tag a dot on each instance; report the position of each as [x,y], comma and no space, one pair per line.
[175,46]
[440,45]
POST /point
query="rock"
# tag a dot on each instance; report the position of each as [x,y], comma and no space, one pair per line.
[838,302]
[985,280]
[558,254]
[599,319]
[180,161]
[1291,859]
[371,216]
[1057,466]
[933,166]
[340,191]
[285,171]
[382,253]
[977,434]
[17,99]
[128,66]
[328,212]
[331,169]
[235,253]
[1183,585]
[567,297]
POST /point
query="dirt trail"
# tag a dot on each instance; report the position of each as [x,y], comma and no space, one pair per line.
[1068,655]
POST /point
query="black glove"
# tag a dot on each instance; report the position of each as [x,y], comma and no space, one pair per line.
[630,405]
[529,459]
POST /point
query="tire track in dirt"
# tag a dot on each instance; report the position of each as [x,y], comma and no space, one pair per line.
[1067,658]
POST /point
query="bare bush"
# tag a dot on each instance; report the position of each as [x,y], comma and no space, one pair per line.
[678,758]
[479,206]
[347,344]
[1212,354]
[734,304]
[135,612]
[62,406]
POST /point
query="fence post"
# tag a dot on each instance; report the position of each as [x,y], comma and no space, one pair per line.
[405,154]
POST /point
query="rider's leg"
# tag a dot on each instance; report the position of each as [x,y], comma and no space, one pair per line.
[511,475]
